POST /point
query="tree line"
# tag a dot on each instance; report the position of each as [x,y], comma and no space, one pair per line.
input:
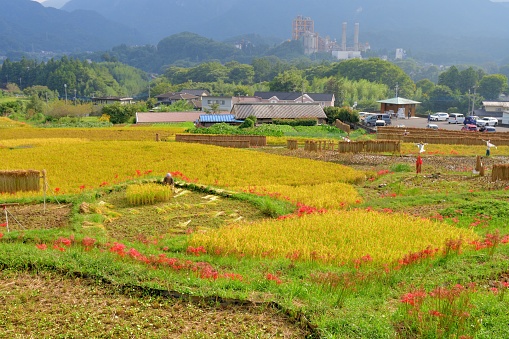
[355,83]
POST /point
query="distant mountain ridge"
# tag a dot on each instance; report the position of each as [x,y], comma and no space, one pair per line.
[441,31]
[421,26]
[27,25]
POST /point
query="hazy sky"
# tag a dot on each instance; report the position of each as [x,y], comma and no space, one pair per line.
[491,0]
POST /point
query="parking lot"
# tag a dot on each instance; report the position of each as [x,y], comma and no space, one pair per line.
[422,122]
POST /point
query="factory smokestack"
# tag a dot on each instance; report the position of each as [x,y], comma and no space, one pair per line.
[343,39]
[356,38]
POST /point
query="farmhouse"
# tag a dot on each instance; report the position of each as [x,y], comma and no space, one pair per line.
[111,100]
[267,112]
[194,96]
[324,99]
[170,98]
[224,103]
[166,117]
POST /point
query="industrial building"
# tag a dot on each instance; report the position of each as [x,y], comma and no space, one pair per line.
[303,28]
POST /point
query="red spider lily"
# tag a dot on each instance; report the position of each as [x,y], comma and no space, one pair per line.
[138,172]
[64,241]
[82,187]
[118,248]
[3,225]
[435,313]
[294,255]
[41,246]
[88,243]
[233,276]
[197,251]
[57,189]
[1,235]
[413,298]
[273,277]
[104,183]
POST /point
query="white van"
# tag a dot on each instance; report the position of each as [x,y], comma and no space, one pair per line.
[456,118]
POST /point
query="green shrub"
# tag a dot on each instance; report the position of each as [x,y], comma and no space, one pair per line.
[401,168]
[295,122]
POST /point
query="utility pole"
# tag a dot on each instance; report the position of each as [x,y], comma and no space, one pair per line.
[65,89]
[468,110]
[473,102]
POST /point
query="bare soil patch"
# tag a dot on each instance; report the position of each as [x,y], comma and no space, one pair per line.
[37,216]
[51,306]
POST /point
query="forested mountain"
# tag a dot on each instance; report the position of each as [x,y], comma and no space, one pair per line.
[453,30]
[28,26]
[88,79]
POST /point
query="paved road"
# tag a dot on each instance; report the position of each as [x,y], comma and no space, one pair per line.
[422,122]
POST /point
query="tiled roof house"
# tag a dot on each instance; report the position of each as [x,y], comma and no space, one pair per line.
[267,112]
[324,99]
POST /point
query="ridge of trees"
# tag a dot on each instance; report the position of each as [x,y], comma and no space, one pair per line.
[355,83]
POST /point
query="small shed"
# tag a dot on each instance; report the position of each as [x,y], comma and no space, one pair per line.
[395,104]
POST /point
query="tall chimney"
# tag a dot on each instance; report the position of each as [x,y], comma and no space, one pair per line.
[356,37]
[343,39]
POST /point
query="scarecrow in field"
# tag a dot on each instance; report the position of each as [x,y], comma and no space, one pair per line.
[421,147]
[168,180]
[488,146]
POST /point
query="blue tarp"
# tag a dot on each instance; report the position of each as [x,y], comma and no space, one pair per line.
[218,118]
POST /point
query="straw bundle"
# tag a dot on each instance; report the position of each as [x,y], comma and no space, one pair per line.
[19,180]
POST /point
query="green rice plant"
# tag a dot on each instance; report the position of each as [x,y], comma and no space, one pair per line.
[148,194]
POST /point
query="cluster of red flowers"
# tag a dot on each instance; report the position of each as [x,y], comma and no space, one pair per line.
[482,221]
[303,210]
[61,243]
[88,243]
[197,251]
[388,195]
[362,260]
[416,257]
[180,175]
[273,277]
[491,240]
[262,191]
[383,172]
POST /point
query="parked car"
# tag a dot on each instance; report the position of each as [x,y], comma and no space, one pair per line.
[471,120]
[432,126]
[380,123]
[487,121]
[371,120]
[440,116]
[456,118]
[489,129]
[469,127]
[362,115]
